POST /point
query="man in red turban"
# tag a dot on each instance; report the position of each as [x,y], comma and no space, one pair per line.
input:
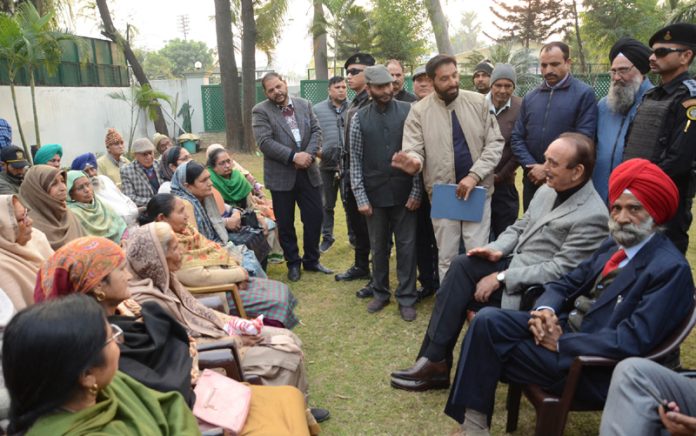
[624,301]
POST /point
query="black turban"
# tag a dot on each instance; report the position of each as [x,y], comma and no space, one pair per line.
[636,52]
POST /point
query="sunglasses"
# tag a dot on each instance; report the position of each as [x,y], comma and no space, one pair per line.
[354,71]
[664,51]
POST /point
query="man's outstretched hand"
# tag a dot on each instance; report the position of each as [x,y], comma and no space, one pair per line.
[408,164]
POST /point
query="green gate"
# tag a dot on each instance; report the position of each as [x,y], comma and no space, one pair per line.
[214,108]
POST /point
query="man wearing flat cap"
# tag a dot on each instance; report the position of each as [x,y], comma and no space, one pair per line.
[13,163]
[482,77]
[629,66]
[141,179]
[386,196]
[355,76]
[422,84]
[623,301]
[662,129]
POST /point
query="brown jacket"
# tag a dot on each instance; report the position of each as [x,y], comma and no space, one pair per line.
[505,171]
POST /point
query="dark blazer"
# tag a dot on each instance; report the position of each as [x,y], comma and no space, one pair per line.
[646,301]
[276,142]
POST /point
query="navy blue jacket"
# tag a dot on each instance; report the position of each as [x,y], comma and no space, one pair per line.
[547,112]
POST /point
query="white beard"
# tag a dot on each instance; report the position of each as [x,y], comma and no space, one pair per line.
[621,97]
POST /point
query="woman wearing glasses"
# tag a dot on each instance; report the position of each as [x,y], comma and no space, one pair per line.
[63,378]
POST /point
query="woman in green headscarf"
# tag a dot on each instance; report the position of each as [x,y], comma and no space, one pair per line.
[96,217]
[49,154]
[231,184]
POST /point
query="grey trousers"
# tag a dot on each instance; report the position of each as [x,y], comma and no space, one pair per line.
[630,410]
[329,193]
[403,222]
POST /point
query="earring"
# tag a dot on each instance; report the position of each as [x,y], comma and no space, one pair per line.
[94,390]
[99,295]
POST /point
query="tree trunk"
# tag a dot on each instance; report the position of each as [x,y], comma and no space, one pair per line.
[439,23]
[32,87]
[113,34]
[248,71]
[581,50]
[27,149]
[321,62]
[7,6]
[229,75]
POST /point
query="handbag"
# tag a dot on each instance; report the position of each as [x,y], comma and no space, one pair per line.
[249,218]
[221,401]
[254,239]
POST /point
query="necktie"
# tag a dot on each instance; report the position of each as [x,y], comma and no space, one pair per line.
[614,262]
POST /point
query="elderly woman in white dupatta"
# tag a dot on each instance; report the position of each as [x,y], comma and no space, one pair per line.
[96,217]
[23,249]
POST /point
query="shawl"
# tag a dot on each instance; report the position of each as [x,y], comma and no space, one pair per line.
[49,215]
[170,156]
[78,266]
[46,153]
[19,263]
[97,218]
[152,281]
[208,218]
[123,407]
[197,250]
[234,190]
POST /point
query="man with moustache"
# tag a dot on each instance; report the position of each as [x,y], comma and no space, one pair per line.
[561,103]
[141,179]
[566,224]
[662,129]
[355,76]
[482,77]
[452,138]
[422,84]
[629,82]
[387,197]
[623,301]
[289,135]
[13,164]
[396,69]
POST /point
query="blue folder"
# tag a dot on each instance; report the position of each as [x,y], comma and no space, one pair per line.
[445,203]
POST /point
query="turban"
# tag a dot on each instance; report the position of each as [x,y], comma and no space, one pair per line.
[112,137]
[81,162]
[77,267]
[649,184]
[46,153]
[635,51]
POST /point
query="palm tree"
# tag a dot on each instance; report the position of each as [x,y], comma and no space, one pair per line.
[682,12]
[145,100]
[10,43]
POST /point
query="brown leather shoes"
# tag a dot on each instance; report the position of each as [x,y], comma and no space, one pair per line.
[422,376]
[376,305]
[408,313]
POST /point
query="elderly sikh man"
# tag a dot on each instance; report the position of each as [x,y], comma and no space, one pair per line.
[623,301]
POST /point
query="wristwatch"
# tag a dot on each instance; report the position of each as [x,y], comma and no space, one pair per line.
[501,277]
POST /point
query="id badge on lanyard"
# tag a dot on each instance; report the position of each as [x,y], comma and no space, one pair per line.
[296,135]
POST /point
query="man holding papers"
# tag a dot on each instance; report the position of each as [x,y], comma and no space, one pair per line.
[565,223]
[452,137]
[386,196]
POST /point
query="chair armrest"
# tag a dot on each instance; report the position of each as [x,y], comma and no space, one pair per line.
[216,345]
[214,302]
[253,380]
[212,289]
[596,361]
[225,359]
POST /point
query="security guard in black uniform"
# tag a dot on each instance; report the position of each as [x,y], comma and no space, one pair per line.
[664,128]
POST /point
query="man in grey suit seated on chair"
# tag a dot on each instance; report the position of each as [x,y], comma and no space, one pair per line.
[565,223]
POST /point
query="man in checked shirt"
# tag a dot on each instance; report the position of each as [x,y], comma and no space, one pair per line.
[386,196]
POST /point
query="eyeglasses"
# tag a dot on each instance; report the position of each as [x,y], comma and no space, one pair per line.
[664,51]
[117,335]
[225,162]
[621,72]
[24,216]
[354,71]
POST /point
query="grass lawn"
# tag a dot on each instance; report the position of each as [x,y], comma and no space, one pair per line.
[350,353]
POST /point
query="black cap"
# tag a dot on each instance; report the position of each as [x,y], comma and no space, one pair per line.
[635,51]
[13,156]
[484,67]
[678,33]
[360,59]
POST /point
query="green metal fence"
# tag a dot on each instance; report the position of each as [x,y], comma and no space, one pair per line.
[84,62]
[214,108]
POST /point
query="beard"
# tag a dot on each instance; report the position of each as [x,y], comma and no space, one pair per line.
[96,184]
[628,235]
[621,95]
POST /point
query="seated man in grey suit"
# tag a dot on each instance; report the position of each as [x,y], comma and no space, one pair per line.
[288,135]
[645,398]
[565,223]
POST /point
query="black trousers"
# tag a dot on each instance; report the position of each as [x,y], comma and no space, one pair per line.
[426,247]
[505,207]
[677,229]
[359,226]
[453,299]
[528,191]
[308,199]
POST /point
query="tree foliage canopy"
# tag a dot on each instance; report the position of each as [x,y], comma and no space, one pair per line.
[528,20]
[184,54]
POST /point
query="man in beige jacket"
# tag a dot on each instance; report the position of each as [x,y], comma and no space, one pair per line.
[451,136]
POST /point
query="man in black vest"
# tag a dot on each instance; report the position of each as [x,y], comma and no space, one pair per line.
[661,130]
[387,197]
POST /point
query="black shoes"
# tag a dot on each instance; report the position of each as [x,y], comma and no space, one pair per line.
[353,273]
[319,414]
[318,268]
[422,376]
[325,245]
[294,272]
[365,292]
[376,305]
[408,313]
[423,293]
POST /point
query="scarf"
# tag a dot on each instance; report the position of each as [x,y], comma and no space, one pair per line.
[233,189]
[152,281]
[19,263]
[123,407]
[49,215]
[208,218]
[79,266]
[200,251]
[97,218]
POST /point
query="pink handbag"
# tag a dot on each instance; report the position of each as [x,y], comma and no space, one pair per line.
[221,401]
